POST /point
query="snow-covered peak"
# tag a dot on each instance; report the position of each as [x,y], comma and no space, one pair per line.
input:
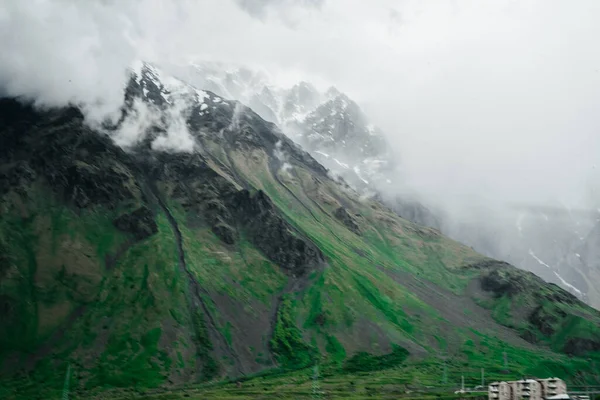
[322,122]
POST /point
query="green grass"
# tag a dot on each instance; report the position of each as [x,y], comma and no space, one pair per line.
[133,326]
[287,344]
[210,368]
[365,362]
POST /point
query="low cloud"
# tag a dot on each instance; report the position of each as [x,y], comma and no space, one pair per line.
[260,8]
[166,129]
[65,52]
[487,103]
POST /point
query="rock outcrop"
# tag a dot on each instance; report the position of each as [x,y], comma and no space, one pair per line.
[345,218]
[140,223]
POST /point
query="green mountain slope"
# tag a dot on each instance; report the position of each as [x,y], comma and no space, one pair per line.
[153,269]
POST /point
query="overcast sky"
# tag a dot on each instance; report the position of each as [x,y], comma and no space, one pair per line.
[492,99]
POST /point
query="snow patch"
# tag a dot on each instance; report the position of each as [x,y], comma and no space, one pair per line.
[341,164]
[532,254]
[136,68]
[567,284]
[201,95]
[357,172]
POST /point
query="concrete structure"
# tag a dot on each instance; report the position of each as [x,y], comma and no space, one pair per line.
[499,391]
[553,387]
[528,389]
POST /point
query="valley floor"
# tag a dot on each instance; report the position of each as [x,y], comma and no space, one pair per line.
[421,380]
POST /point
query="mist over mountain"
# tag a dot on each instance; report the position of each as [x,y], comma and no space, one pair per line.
[182,245]
[338,133]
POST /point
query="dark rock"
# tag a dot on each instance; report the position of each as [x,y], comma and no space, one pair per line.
[504,279]
[81,165]
[4,262]
[87,185]
[18,178]
[140,223]
[348,220]
[225,232]
[581,346]
[210,198]
[487,263]
[529,336]
[7,307]
[560,295]
[499,284]
[320,319]
[544,320]
[271,234]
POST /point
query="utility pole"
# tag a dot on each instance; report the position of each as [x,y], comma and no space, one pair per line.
[482,377]
[65,395]
[462,383]
[316,393]
[445,374]
[587,390]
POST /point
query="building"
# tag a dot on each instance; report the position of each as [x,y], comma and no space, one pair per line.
[528,389]
[553,387]
[499,391]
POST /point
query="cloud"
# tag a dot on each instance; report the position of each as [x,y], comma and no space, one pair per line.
[166,128]
[260,8]
[485,101]
[59,52]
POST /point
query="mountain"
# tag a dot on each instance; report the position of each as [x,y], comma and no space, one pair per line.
[193,241]
[340,136]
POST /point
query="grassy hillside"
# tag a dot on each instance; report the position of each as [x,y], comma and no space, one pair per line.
[152,271]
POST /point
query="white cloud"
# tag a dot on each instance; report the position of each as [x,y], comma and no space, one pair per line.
[58,52]
[484,100]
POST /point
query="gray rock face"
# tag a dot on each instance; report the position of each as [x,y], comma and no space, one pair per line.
[337,133]
[342,214]
[330,126]
[86,168]
[209,198]
[273,235]
[140,223]
[83,167]
[580,346]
